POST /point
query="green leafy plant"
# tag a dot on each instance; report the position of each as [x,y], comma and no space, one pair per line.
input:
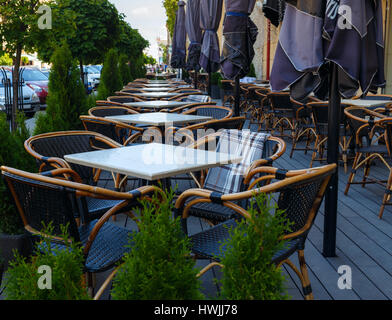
[23,277]
[216,78]
[67,99]
[171,7]
[138,68]
[248,272]
[125,70]
[159,265]
[12,154]
[110,77]
[5,60]
[252,71]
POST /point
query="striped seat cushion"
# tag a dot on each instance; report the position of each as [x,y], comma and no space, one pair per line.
[229,178]
[197,98]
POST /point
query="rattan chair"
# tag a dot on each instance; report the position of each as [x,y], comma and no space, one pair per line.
[228,92]
[120,132]
[110,111]
[126,98]
[386,123]
[216,112]
[263,113]
[303,126]
[42,199]
[283,113]
[185,90]
[49,150]
[368,148]
[132,91]
[298,193]
[187,107]
[320,119]
[261,150]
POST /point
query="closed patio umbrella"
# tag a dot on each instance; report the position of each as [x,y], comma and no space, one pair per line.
[195,35]
[210,18]
[274,11]
[179,38]
[332,49]
[240,34]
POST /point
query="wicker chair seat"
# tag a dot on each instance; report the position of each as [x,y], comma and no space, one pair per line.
[97,207]
[109,246]
[212,211]
[374,149]
[208,244]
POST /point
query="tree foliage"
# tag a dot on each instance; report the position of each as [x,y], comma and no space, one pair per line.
[96,29]
[67,99]
[171,7]
[110,77]
[5,60]
[12,154]
[125,70]
[130,42]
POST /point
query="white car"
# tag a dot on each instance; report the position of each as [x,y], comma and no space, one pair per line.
[93,76]
[30,100]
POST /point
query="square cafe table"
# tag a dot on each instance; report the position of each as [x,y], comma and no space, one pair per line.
[153,161]
[161,120]
[157,104]
[366,103]
[158,82]
[158,95]
[158,89]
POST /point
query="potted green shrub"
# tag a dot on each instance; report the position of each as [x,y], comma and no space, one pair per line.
[110,77]
[216,77]
[159,267]
[52,274]
[248,272]
[13,154]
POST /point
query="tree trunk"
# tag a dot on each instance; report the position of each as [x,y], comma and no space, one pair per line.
[82,72]
[15,87]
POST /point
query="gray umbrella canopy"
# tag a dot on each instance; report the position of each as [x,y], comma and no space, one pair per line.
[195,34]
[179,38]
[314,33]
[240,34]
[210,17]
[333,49]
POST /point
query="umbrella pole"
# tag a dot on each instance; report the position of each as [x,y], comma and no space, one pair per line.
[196,76]
[209,84]
[331,196]
[237,96]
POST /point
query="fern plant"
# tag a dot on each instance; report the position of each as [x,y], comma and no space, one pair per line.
[159,266]
[248,272]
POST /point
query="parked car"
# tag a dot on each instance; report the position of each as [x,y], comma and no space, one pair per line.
[31,101]
[93,75]
[37,81]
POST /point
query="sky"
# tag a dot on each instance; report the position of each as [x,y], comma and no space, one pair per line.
[148,16]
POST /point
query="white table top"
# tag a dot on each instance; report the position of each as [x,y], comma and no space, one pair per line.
[366,103]
[159,118]
[158,89]
[158,94]
[158,82]
[152,161]
[157,104]
[158,85]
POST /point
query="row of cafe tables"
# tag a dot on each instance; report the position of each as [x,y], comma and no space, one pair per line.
[154,161]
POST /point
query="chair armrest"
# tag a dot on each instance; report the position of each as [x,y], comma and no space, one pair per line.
[64,173]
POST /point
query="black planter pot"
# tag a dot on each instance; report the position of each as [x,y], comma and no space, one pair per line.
[1,273]
[8,243]
[215,92]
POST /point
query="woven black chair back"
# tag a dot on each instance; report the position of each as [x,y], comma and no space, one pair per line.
[44,203]
[105,128]
[110,111]
[297,200]
[122,99]
[215,113]
[63,144]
